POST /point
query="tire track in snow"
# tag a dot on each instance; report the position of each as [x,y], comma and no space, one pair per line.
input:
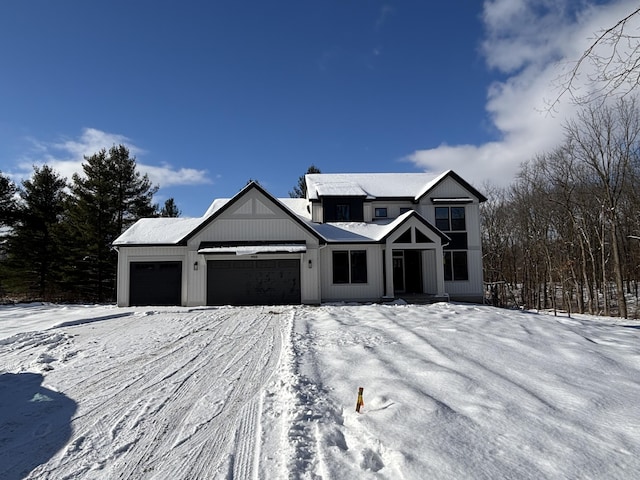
[183,405]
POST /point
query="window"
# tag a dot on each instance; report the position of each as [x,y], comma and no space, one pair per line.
[343,213]
[455,266]
[405,210]
[343,209]
[350,266]
[450,219]
[381,213]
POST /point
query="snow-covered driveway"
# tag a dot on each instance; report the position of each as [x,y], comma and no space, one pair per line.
[172,394]
[451,392]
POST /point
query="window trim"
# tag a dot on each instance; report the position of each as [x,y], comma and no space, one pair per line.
[450,220]
[353,276]
[450,265]
[378,212]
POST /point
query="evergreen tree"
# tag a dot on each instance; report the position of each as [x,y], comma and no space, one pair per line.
[110,197]
[7,218]
[7,200]
[170,209]
[300,190]
[34,245]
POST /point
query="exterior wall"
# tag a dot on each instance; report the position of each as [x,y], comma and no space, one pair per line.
[126,255]
[373,290]
[471,289]
[393,208]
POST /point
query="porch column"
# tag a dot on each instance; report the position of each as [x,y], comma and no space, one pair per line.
[388,266]
[440,269]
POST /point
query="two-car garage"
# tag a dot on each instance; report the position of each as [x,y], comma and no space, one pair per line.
[253,282]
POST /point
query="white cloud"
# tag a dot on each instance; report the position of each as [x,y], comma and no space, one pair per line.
[532,42]
[66,158]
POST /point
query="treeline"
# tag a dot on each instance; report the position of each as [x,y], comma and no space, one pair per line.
[566,234]
[56,235]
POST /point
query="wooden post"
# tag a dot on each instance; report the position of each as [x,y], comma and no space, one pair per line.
[360,402]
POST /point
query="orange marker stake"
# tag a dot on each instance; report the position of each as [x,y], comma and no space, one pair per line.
[360,400]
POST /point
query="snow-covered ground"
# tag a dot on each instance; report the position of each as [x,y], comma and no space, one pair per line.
[450,391]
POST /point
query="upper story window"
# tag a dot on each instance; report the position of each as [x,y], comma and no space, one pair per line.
[343,213]
[343,209]
[405,210]
[450,219]
[380,212]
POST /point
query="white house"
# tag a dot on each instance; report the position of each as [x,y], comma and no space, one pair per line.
[355,237]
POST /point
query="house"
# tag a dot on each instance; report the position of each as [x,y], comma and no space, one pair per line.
[355,237]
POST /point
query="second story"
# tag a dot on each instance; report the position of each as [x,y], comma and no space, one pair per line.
[445,200]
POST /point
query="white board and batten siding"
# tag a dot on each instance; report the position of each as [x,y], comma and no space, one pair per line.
[255,219]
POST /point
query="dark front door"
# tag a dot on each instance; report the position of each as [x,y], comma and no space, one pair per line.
[413,271]
[253,282]
[398,271]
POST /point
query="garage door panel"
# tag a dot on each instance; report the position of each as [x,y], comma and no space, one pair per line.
[253,282]
[155,283]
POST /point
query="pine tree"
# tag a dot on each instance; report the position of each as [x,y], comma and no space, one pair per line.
[34,245]
[170,209]
[7,201]
[109,198]
[300,190]
[7,218]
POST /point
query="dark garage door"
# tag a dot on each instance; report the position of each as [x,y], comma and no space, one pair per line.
[155,283]
[253,282]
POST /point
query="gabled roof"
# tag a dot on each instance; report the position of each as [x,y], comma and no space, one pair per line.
[224,206]
[412,186]
[450,174]
[177,231]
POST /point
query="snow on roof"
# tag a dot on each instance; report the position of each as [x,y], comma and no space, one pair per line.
[160,231]
[372,185]
[216,205]
[297,206]
[358,231]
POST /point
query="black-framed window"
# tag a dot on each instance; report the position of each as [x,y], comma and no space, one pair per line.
[405,210]
[350,266]
[455,266]
[451,219]
[380,212]
[343,212]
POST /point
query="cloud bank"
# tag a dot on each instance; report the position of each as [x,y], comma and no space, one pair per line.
[66,158]
[532,43]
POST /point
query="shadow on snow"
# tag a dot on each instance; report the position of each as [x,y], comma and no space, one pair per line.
[35,423]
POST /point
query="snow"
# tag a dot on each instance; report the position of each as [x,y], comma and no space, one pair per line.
[160,231]
[254,249]
[450,391]
[371,185]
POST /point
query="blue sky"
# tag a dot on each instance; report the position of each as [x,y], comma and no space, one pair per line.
[208,94]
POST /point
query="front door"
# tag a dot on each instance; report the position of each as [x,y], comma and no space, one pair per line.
[398,271]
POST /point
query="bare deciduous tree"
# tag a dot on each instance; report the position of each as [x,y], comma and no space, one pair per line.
[614,55]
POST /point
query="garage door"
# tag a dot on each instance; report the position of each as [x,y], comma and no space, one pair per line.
[155,283]
[253,282]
